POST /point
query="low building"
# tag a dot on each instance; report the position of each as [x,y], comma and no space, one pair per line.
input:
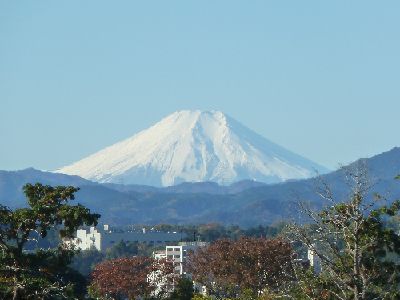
[88,240]
[102,239]
[160,254]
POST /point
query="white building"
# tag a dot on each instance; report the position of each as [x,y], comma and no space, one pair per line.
[102,239]
[178,254]
[87,241]
[315,261]
[161,254]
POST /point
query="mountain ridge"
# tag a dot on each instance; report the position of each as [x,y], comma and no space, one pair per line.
[264,204]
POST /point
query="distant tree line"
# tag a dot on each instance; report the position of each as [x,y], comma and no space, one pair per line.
[213,231]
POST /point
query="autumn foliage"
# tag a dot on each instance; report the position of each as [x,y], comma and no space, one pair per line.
[129,277]
[227,267]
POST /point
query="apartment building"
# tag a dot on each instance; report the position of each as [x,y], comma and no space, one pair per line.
[102,239]
[178,254]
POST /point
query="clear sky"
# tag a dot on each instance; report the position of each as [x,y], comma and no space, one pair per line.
[321,78]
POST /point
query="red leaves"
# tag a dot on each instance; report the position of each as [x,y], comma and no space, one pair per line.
[248,263]
[127,277]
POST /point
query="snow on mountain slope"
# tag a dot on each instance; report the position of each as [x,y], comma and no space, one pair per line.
[193,146]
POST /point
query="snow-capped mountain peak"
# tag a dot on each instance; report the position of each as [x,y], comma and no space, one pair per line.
[193,146]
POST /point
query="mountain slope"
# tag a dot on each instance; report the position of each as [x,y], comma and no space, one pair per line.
[108,202]
[193,146]
[11,183]
[190,188]
[270,203]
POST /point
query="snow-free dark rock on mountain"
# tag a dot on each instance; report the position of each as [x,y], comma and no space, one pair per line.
[193,146]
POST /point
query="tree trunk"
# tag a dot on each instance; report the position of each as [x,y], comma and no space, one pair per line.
[16,293]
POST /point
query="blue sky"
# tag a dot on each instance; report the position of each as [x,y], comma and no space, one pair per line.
[321,78]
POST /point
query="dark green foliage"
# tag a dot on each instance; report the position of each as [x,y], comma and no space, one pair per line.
[122,249]
[213,231]
[41,274]
[85,261]
[183,290]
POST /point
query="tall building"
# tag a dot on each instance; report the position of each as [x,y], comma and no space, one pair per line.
[314,260]
[178,254]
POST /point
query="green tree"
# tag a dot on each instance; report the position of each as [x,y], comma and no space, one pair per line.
[122,249]
[201,297]
[183,290]
[85,261]
[40,274]
[358,252]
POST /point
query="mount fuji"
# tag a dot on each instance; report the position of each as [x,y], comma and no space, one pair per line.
[193,146]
